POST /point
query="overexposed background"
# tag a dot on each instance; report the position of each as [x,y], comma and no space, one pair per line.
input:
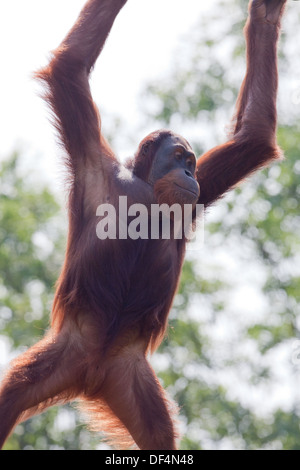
[139,48]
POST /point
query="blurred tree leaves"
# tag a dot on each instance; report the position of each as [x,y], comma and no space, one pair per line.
[32,238]
[233,373]
[28,260]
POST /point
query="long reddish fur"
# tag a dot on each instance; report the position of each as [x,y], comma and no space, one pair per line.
[113,297]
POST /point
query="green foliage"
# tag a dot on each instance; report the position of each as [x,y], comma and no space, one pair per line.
[31,253]
[27,263]
[257,230]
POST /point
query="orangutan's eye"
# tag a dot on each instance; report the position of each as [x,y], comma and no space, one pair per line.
[178,155]
[190,164]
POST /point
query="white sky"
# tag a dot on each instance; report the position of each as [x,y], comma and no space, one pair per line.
[139,48]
